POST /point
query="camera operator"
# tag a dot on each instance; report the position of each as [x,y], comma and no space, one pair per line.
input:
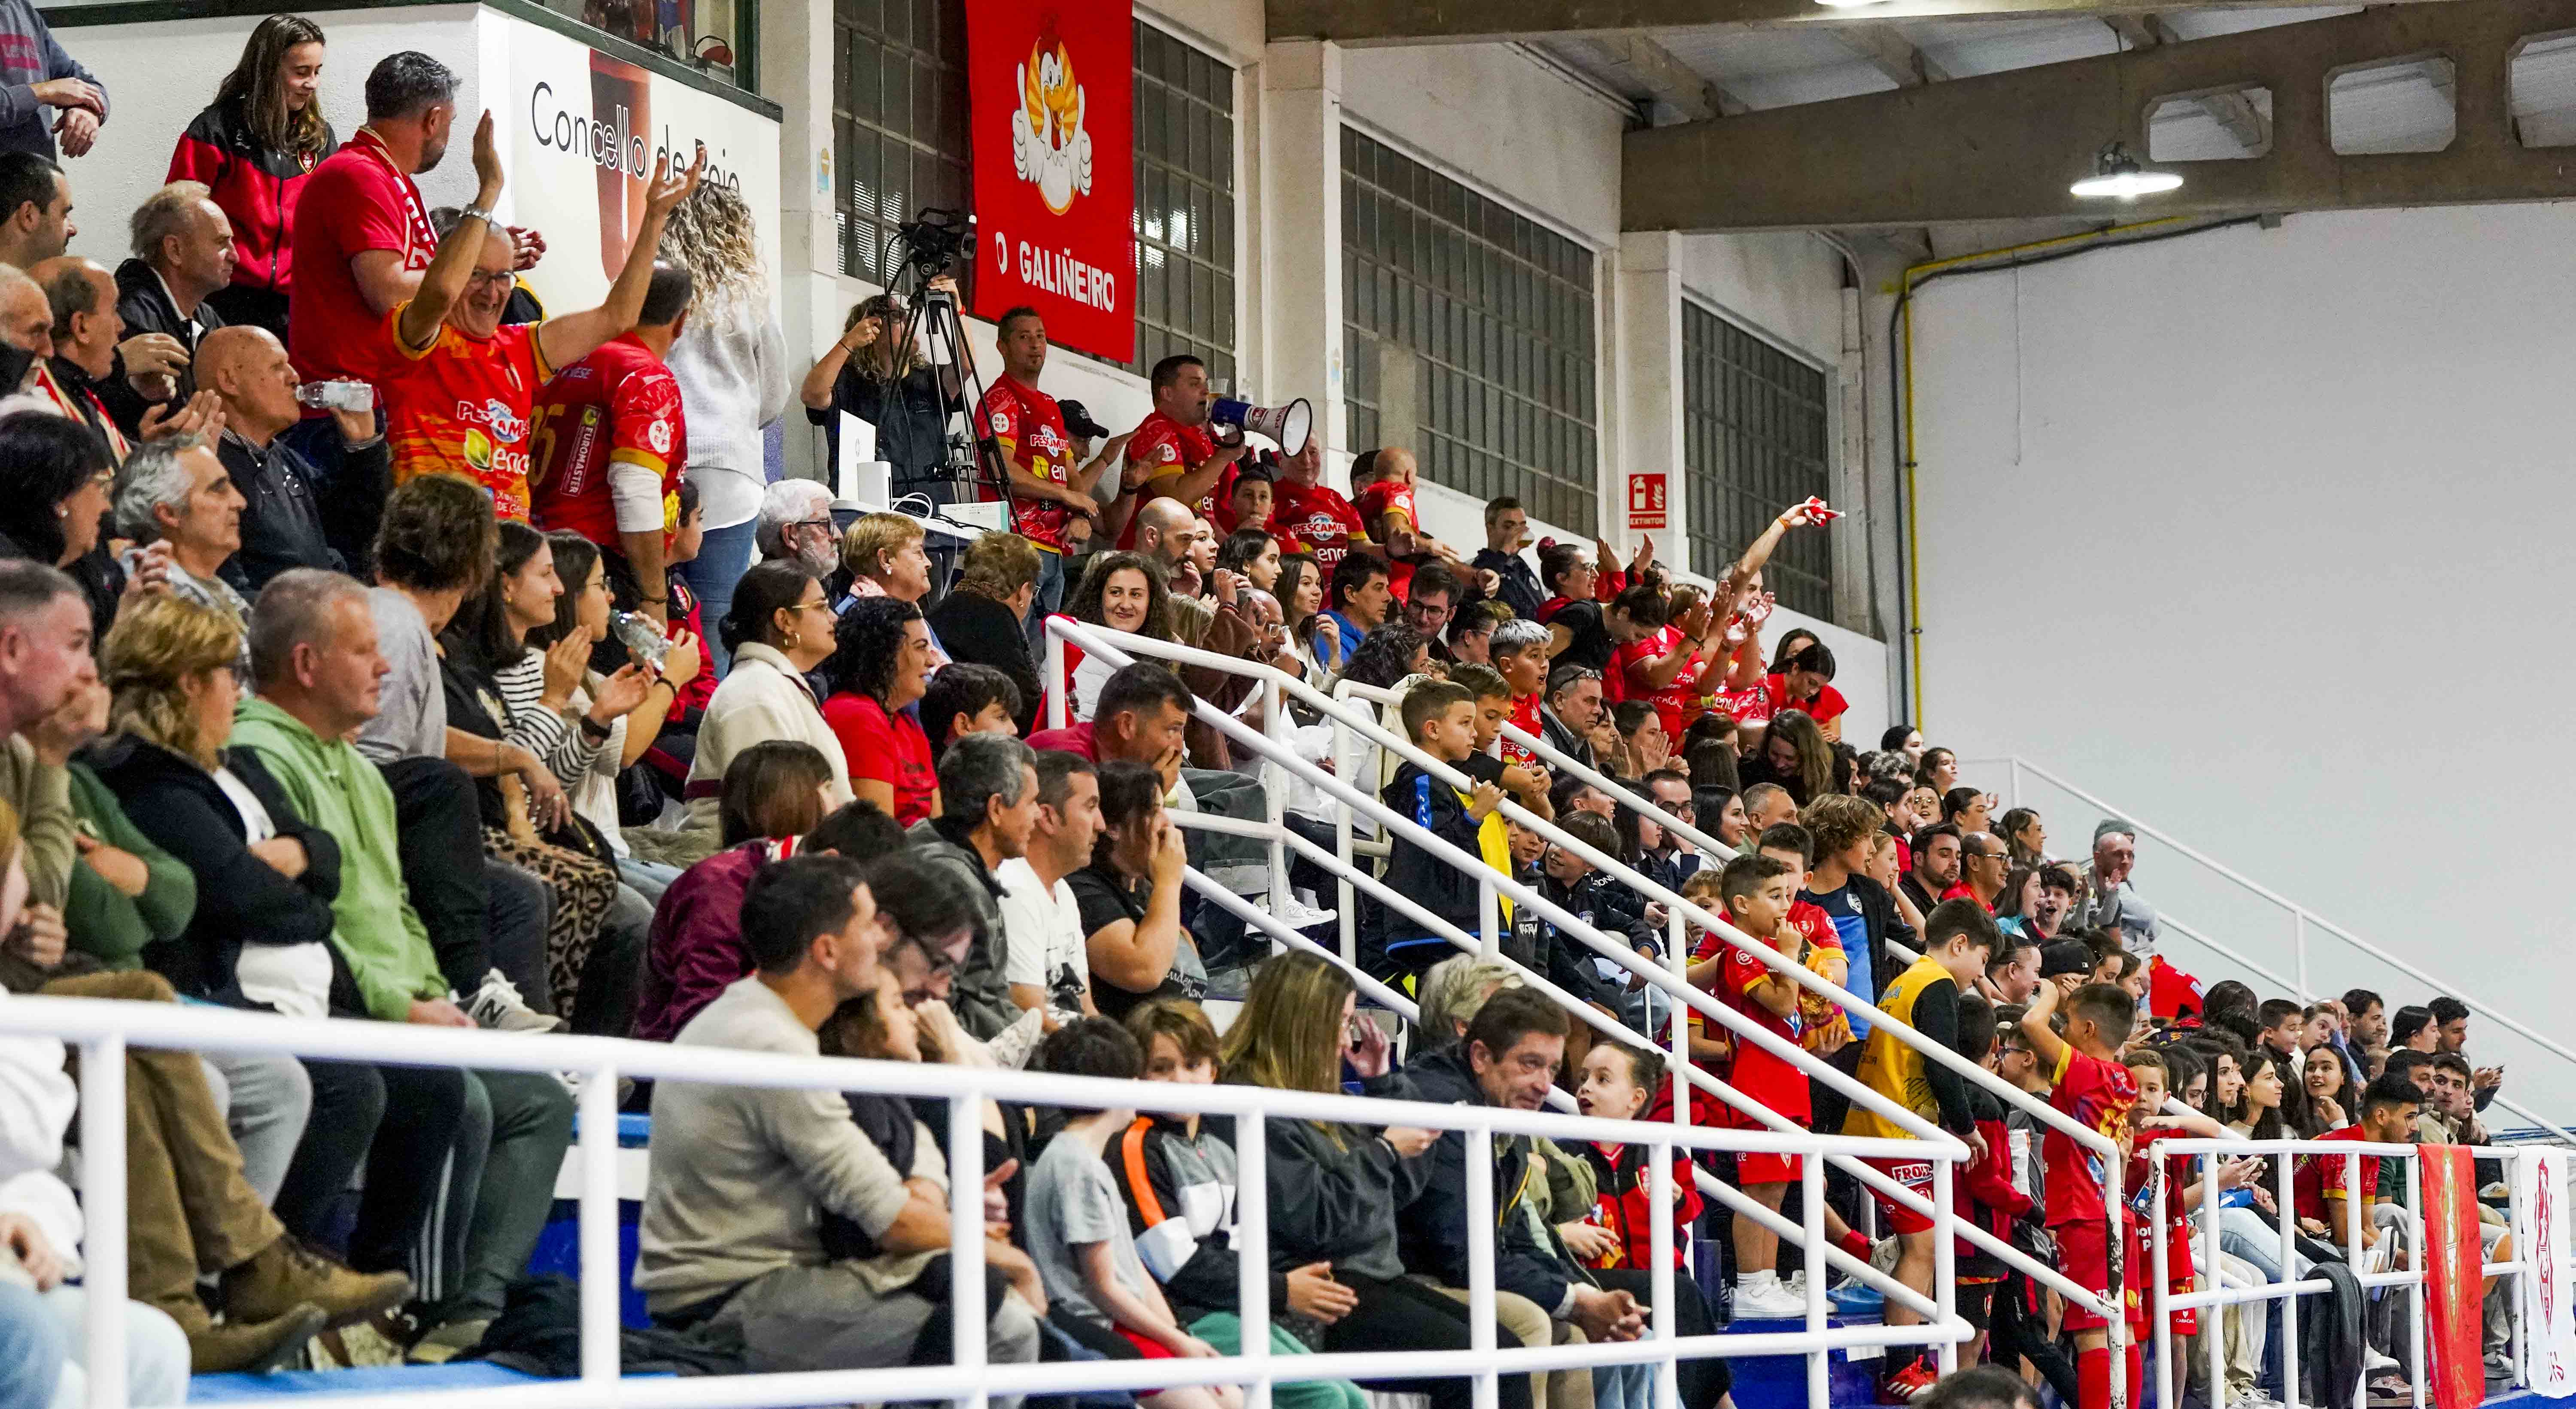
[876,373]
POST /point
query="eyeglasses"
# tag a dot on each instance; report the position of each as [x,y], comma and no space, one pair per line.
[484,279]
[825,522]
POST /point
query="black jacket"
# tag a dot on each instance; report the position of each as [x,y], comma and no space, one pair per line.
[285,522]
[976,629]
[241,900]
[1616,911]
[1561,737]
[1334,1191]
[1393,944]
[1520,590]
[146,308]
[1433,1230]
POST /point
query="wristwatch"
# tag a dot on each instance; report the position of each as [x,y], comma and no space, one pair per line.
[475,212]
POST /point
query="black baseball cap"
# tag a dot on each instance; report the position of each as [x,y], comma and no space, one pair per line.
[2066,956]
[1078,422]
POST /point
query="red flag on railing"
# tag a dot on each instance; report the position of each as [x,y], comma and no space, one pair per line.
[1050,93]
[2453,1287]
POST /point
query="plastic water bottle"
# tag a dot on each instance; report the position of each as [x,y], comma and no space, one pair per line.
[643,637]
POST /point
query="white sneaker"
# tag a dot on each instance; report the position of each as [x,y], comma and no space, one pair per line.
[1795,1284]
[1298,915]
[1767,1300]
[497,1005]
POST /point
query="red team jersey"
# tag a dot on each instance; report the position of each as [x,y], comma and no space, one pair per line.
[1760,1073]
[2099,1095]
[1173,450]
[1318,517]
[461,406]
[2314,1176]
[1032,427]
[1827,706]
[1381,498]
[355,202]
[1677,703]
[619,403]
[1524,718]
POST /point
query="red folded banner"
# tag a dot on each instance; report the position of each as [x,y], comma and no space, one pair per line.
[1050,92]
[2453,1287]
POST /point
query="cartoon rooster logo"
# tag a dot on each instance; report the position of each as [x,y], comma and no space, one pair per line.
[1048,145]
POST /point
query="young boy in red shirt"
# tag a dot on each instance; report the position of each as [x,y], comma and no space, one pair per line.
[2093,1087]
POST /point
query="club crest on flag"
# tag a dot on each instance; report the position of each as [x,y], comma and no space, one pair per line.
[1049,149]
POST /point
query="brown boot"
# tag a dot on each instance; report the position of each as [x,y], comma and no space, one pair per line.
[252,1347]
[286,1273]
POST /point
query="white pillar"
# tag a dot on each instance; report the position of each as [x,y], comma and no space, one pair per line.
[796,44]
[1300,207]
[1647,294]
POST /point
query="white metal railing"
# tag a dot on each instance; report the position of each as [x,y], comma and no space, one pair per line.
[2215,1299]
[105,1028]
[2302,920]
[1120,649]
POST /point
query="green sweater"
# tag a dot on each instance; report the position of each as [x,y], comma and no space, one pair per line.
[106,923]
[335,788]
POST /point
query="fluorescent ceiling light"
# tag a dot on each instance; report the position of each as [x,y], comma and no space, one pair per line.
[2117,175]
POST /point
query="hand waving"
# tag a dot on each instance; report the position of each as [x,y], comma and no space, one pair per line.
[672,186]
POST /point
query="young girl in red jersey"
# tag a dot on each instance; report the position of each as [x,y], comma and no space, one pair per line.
[1618,1081]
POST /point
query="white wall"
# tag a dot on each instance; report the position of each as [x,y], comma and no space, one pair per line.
[2261,535]
[162,73]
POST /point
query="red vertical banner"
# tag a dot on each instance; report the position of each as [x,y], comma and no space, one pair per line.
[1050,92]
[2452,1291]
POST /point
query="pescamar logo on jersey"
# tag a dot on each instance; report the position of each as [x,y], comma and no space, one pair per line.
[1049,149]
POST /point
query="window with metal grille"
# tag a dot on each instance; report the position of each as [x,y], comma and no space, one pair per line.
[1184,205]
[1753,443]
[900,132]
[1476,322]
[899,121]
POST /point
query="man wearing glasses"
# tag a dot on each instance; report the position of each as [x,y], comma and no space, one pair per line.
[1984,865]
[458,385]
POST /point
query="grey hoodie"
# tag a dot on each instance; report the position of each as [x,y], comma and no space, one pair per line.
[29,56]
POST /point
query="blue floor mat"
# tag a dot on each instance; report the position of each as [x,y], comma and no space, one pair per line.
[391,1379]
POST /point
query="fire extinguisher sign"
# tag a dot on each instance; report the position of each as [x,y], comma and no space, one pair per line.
[1646,501]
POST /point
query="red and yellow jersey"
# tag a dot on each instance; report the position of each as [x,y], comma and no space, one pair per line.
[1029,427]
[2099,1095]
[1381,498]
[460,406]
[1172,450]
[619,404]
[1318,517]
[1524,718]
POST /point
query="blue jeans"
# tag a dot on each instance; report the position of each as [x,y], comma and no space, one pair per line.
[1050,596]
[33,1349]
[156,1352]
[723,556]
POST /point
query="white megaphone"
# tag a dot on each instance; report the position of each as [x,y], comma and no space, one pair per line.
[1288,425]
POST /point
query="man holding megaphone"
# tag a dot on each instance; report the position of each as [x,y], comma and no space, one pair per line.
[1179,454]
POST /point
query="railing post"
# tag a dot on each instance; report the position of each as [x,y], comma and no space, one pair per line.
[2288,1253]
[2415,1218]
[1489,920]
[600,1331]
[1252,1254]
[2300,920]
[2164,1281]
[1945,1262]
[102,1126]
[1480,1261]
[1056,690]
[1811,1199]
[2217,1344]
[1659,1245]
[971,1329]
[1347,893]
[2013,790]
[1274,725]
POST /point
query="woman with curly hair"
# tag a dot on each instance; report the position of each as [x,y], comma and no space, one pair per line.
[879,669]
[731,364]
[1795,755]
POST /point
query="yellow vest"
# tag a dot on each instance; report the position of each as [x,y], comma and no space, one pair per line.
[1891,1068]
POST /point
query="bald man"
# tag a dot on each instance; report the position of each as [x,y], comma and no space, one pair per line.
[26,321]
[1165,531]
[284,523]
